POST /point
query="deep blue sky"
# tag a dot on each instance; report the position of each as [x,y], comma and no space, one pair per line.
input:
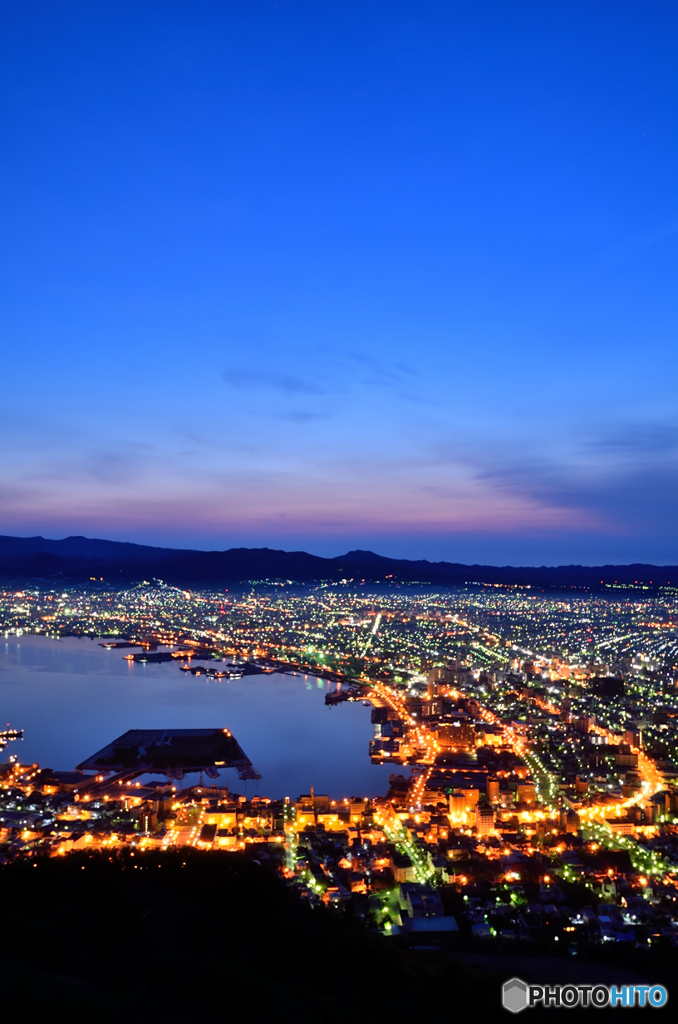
[397,275]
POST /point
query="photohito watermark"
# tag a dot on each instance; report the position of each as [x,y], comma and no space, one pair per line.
[517,995]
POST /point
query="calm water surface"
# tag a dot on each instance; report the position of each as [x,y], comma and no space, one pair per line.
[72,697]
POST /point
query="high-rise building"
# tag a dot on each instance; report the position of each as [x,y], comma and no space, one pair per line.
[458,803]
[484,819]
[492,789]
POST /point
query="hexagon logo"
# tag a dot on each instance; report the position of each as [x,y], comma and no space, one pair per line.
[514,995]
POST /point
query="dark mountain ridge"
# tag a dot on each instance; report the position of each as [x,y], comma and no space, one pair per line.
[78,559]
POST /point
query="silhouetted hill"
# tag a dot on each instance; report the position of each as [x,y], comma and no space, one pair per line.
[362,556]
[80,548]
[78,559]
[185,936]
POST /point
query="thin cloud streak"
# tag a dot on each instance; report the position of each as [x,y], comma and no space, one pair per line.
[279,502]
[628,249]
[269,380]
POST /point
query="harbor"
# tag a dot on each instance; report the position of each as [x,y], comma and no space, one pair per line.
[69,696]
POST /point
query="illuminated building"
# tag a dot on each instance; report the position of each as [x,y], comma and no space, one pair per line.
[484,820]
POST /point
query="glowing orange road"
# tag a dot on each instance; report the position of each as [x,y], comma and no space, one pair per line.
[426,748]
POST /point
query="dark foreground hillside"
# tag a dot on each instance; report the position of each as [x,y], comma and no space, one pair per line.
[193,936]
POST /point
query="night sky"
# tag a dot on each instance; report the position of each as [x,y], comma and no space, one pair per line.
[325,275]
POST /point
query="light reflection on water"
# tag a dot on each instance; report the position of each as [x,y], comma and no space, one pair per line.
[72,697]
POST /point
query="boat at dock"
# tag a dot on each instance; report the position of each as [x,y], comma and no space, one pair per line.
[338,696]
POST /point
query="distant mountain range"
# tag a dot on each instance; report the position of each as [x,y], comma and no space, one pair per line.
[78,559]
